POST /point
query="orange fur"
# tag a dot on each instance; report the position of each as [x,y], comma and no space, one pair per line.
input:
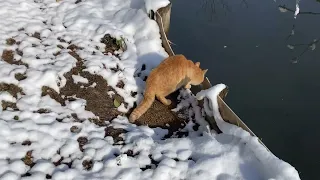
[171,74]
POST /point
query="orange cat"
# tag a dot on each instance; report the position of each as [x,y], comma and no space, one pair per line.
[171,74]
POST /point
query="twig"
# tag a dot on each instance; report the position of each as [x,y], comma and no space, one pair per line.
[292,32]
[295,59]
[290,10]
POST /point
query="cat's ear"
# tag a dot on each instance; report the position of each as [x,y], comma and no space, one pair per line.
[197,64]
[204,71]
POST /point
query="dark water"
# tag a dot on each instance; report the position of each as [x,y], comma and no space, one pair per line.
[245,46]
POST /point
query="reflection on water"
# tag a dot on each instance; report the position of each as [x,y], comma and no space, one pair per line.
[269,59]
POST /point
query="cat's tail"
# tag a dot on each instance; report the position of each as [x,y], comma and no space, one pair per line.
[142,107]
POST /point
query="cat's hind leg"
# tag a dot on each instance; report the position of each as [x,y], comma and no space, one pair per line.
[163,100]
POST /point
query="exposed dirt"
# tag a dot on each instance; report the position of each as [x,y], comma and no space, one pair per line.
[98,100]
[87,164]
[28,159]
[75,129]
[114,133]
[11,88]
[20,76]
[8,56]
[36,35]
[43,111]
[19,52]
[82,141]
[111,44]
[53,94]
[26,143]
[73,47]
[130,153]
[59,162]
[6,105]
[10,41]
[160,115]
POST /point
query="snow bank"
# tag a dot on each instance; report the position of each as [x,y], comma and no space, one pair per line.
[271,166]
[155,4]
[42,138]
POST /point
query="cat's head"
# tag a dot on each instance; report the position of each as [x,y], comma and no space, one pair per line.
[198,75]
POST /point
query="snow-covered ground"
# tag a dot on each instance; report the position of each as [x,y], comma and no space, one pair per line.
[40,138]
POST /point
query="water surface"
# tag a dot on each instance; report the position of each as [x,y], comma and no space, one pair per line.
[273,88]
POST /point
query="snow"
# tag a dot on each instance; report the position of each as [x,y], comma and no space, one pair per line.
[155,4]
[48,131]
[110,93]
[78,78]
[273,167]
[296,12]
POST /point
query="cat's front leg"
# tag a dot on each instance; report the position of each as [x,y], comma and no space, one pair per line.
[188,85]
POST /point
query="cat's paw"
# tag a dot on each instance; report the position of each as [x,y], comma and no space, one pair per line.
[132,117]
[168,102]
[188,86]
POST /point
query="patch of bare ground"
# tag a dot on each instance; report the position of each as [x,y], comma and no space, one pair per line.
[8,56]
[43,111]
[82,141]
[6,105]
[28,159]
[11,88]
[59,162]
[53,94]
[75,129]
[26,143]
[160,115]
[36,35]
[87,164]
[102,105]
[10,41]
[20,76]
[114,133]
[112,44]
[98,100]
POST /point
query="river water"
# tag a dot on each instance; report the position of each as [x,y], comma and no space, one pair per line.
[269,60]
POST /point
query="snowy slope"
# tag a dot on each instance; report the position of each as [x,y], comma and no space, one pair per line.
[40,138]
